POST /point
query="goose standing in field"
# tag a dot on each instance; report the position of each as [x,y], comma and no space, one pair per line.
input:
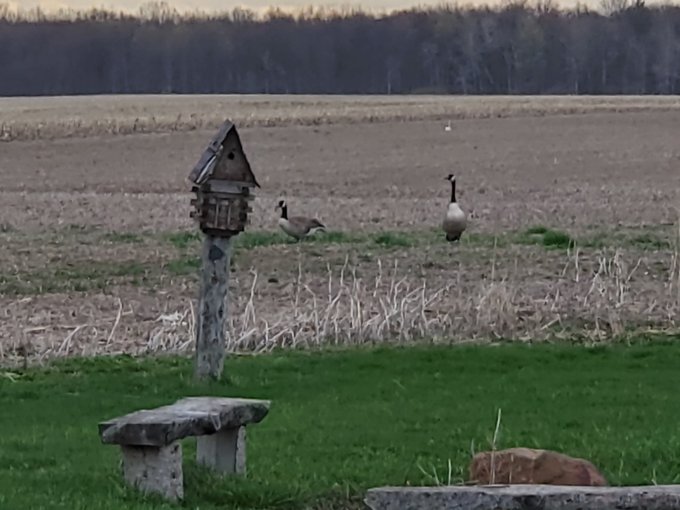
[455,220]
[298,227]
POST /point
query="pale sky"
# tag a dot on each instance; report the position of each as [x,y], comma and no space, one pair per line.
[219,5]
[376,6]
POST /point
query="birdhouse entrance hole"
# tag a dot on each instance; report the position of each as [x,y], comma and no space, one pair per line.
[222,180]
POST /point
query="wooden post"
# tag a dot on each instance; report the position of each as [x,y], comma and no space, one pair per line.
[212,307]
[221,179]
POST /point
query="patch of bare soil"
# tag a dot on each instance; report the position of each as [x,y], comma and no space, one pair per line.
[565,171]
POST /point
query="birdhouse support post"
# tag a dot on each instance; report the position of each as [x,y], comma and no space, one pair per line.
[221,181]
[212,307]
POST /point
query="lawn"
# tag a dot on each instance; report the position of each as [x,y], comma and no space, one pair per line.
[344,421]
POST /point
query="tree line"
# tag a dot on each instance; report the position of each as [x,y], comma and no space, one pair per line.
[517,48]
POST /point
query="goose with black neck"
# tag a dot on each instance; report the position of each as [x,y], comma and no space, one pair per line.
[298,227]
[455,220]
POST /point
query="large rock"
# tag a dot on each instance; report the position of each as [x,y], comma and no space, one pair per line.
[525,497]
[529,466]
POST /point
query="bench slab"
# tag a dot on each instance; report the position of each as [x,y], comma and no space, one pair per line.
[193,416]
[520,497]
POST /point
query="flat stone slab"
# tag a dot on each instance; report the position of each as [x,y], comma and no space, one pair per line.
[193,416]
[525,497]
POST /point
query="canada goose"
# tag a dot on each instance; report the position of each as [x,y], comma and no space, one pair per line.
[298,227]
[455,220]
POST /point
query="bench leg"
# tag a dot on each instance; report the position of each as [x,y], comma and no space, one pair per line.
[224,451]
[156,469]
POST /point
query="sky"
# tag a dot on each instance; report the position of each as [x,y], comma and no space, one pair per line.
[375,6]
[222,5]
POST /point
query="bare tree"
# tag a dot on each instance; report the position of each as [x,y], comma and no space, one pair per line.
[518,47]
[611,7]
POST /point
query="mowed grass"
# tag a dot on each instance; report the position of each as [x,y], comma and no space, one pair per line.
[344,421]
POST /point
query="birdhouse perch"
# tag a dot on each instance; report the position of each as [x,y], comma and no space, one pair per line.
[222,179]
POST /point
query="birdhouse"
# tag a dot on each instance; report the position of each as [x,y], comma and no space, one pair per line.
[222,179]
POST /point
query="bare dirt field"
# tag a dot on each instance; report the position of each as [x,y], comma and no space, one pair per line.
[573,231]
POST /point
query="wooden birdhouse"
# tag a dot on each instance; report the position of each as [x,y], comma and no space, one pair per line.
[222,179]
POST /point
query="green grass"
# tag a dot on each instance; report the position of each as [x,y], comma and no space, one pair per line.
[249,240]
[657,239]
[84,277]
[182,240]
[551,239]
[184,266]
[341,422]
[651,241]
[98,274]
[254,239]
[395,239]
[537,229]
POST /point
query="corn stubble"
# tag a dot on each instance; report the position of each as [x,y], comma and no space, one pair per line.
[602,297]
[66,117]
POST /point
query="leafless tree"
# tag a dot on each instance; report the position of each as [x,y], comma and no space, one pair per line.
[519,47]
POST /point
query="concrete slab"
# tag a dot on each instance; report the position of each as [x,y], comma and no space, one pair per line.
[525,497]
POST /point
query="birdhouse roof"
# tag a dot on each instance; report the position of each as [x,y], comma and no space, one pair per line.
[224,159]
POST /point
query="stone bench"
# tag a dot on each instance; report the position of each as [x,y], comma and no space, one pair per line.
[521,497]
[149,440]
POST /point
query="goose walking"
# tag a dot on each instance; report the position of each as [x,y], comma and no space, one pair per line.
[455,220]
[298,227]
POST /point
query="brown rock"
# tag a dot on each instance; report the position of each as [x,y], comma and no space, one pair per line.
[529,466]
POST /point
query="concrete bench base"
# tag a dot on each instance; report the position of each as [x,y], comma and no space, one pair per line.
[525,497]
[154,469]
[149,440]
[224,452]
